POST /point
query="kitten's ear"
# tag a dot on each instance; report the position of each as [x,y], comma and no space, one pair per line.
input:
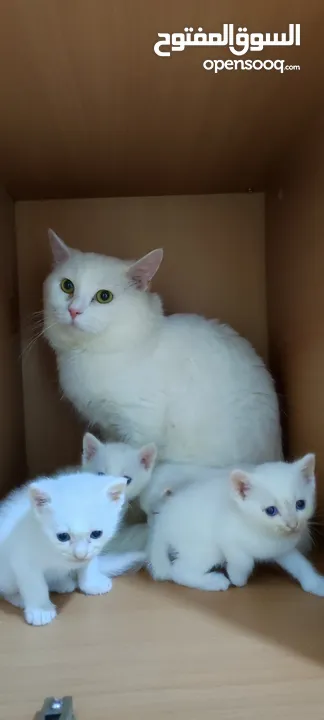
[306,466]
[116,491]
[60,251]
[241,483]
[148,455]
[143,270]
[90,447]
[39,498]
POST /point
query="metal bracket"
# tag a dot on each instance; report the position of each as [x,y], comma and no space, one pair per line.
[57,709]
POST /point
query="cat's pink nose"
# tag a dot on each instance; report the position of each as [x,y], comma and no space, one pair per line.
[74,313]
[292,525]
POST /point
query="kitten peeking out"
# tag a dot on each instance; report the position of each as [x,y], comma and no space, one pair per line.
[120,460]
[51,533]
[238,518]
[136,466]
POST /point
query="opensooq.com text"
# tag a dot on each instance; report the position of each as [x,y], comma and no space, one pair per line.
[219,65]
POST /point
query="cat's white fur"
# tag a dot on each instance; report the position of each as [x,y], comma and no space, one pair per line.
[33,561]
[192,386]
[223,523]
[172,476]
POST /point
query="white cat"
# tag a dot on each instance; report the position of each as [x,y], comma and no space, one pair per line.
[244,517]
[120,460]
[192,386]
[136,466]
[51,532]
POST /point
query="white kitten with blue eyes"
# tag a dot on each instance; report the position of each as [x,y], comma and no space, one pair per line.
[51,533]
[193,386]
[245,517]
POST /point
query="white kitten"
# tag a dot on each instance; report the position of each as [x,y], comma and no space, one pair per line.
[51,531]
[240,519]
[136,466]
[120,460]
[193,386]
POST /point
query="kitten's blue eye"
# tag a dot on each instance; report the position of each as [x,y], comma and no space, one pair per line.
[300,505]
[100,473]
[96,534]
[63,537]
[129,479]
[271,511]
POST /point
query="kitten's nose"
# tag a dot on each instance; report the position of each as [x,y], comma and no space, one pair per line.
[292,524]
[74,313]
[80,550]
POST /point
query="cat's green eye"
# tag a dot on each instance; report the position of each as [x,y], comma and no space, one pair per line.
[67,286]
[104,296]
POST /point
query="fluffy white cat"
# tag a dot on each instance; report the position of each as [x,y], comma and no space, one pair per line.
[246,516]
[192,386]
[51,533]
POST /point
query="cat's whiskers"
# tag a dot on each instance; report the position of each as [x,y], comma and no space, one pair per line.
[27,349]
[316,529]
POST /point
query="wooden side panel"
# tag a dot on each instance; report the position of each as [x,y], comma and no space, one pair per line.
[295,271]
[12,442]
[214,265]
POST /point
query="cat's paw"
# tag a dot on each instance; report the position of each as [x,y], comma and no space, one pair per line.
[63,585]
[316,586]
[98,585]
[15,600]
[237,577]
[40,616]
[216,581]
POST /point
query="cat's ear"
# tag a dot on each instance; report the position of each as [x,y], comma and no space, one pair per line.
[306,466]
[39,498]
[143,270]
[60,251]
[148,455]
[90,447]
[241,483]
[116,491]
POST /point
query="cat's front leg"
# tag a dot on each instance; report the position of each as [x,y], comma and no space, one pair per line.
[15,600]
[239,567]
[33,589]
[302,570]
[62,584]
[91,581]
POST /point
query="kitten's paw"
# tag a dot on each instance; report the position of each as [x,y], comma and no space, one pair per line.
[237,577]
[40,616]
[15,600]
[97,586]
[63,585]
[217,581]
[316,586]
